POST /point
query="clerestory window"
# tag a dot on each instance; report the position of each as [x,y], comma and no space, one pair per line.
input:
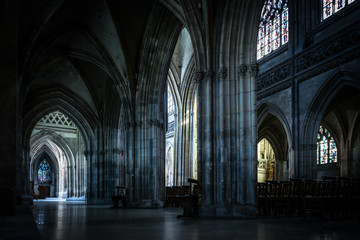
[273,28]
[329,7]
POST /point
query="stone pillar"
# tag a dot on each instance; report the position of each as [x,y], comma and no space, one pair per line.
[91,180]
[26,191]
[130,170]
[206,135]
[251,142]
[10,166]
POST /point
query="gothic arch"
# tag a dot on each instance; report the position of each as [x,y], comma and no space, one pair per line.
[264,108]
[315,113]
[268,112]
[43,136]
[45,151]
[55,98]
[161,35]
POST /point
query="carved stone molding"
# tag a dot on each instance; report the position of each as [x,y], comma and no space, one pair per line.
[222,73]
[133,124]
[271,78]
[156,123]
[254,69]
[208,75]
[198,76]
[274,90]
[242,70]
[118,151]
[342,41]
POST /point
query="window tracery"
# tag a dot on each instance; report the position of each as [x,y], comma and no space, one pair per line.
[326,147]
[44,172]
[329,7]
[273,28]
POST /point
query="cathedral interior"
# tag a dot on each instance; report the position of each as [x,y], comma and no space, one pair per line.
[249,108]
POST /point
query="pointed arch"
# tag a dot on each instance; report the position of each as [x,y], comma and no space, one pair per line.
[315,113]
[279,136]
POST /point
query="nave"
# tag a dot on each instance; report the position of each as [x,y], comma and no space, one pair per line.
[76,220]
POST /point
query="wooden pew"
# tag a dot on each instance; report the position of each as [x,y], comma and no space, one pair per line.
[190,201]
[121,193]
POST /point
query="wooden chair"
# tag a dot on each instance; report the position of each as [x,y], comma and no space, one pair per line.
[296,197]
[188,200]
[261,198]
[121,195]
[329,192]
[312,200]
[282,200]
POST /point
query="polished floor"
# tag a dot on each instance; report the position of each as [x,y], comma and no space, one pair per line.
[71,220]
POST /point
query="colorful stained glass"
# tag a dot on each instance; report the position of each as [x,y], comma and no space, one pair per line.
[339,4]
[284,26]
[268,38]
[326,151]
[261,42]
[44,172]
[273,29]
[333,6]
[276,33]
[327,8]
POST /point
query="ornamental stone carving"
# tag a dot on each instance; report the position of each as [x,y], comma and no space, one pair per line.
[242,70]
[198,76]
[273,77]
[222,73]
[314,55]
[208,75]
[156,123]
[118,151]
[254,69]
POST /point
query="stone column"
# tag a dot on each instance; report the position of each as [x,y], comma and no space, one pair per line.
[10,166]
[206,135]
[251,142]
[240,123]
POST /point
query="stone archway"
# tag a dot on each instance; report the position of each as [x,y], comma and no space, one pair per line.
[60,137]
[56,99]
[273,126]
[329,107]
[53,186]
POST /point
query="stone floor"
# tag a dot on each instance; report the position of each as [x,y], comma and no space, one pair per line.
[70,220]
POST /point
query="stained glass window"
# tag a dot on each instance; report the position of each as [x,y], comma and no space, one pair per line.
[44,172]
[273,28]
[326,151]
[170,102]
[329,7]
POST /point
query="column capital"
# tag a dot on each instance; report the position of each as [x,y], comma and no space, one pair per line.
[242,69]
[198,76]
[254,69]
[208,75]
[222,73]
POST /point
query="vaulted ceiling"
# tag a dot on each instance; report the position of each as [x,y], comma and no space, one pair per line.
[86,47]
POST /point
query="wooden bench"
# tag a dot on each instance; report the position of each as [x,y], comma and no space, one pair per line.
[121,193]
[190,201]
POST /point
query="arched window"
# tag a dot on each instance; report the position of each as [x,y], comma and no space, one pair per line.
[44,172]
[329,7]
[273,29]
[170,102]
[326,147]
